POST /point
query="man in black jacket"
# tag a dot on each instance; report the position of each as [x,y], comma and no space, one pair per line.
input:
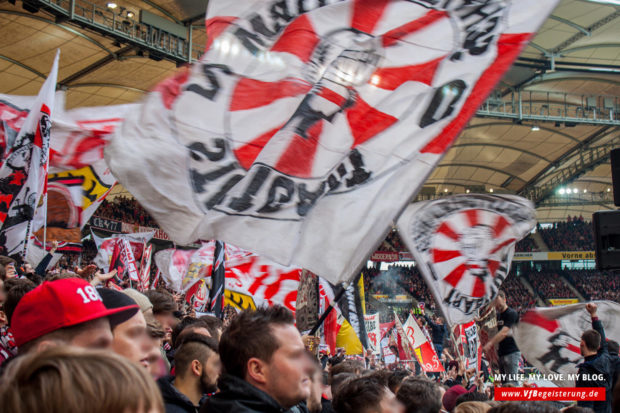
[597,369]
[264,365]
[438,332]
[197,366]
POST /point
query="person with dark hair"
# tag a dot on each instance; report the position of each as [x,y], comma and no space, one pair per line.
[614,349]
[197,370]
[438,332]
[597,369]
[188,325]
[524,407]
[366,395]
[396,378]
[264,364]
[164,307]
[419,395]
[472,396]
[347,366]
[214,326]
[507,350]
[338,380]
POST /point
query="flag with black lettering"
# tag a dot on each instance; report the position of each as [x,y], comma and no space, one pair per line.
[464,245]
[308,126]
[24,170]
[549,338]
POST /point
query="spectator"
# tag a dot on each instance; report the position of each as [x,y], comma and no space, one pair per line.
[597,363]
[130,338]
[420,395]
[197,370]
[71,380]
[265,367]
[507,350]
[366,395]
[164,307]
[68,312]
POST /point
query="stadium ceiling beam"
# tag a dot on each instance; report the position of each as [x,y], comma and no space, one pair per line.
[542,127]
[23,66]
[568,76]
[457,182]
[586,159]
[595,181]
[590,29]
[497,145]
[133,89]
[571,24]
[575,150]
[591,46]
[61,26]
[468,165]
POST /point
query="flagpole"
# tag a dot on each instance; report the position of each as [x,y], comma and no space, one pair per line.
[327,311]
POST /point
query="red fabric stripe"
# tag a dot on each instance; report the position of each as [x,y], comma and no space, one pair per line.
[170,88]
[443,255]
[247,154]
[574,349]
[478,290]
[472,217]
[298,158]
[215,27]
[332,96]
[447,230]
[501,224]
[299,39]
[493,266]
[509,46]
[366,121]
[367,13]
[502,245]
[455,276]
[250,93]
[394,35]
[534,317]
[390,78]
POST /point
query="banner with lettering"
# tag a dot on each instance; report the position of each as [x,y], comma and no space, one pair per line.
[470,345]
[24,170]
[549,338]
[308,126]
[374,332]
[463,245]
[251,281]
[422,347]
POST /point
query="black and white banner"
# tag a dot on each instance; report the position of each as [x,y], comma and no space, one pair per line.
[307,126]
[464,245]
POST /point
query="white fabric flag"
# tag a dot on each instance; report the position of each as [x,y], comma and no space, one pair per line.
[463,246]
[307,127]
[24,171]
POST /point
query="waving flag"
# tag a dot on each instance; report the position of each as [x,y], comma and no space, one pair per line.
[145,268]
[463,246]
[422,347]
[218,280]
[374,335]
[308,126]
[23,173]
[549,337]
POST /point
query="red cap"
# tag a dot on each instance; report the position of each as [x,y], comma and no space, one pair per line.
[62,303]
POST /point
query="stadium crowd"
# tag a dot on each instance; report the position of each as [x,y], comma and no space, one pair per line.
[549,285]
[573,235]
[595,285]
[126,210]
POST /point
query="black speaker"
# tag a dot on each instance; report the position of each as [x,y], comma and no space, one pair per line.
[615,174]
[606,225]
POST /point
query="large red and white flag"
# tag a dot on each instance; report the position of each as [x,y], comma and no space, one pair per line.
[106,246]
[24,170]
[549,337]
[422,347]
[307,127]
[464,245]
[470,347]
[251,281]
[145,268]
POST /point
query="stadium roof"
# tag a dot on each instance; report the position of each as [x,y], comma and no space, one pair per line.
[545,132]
